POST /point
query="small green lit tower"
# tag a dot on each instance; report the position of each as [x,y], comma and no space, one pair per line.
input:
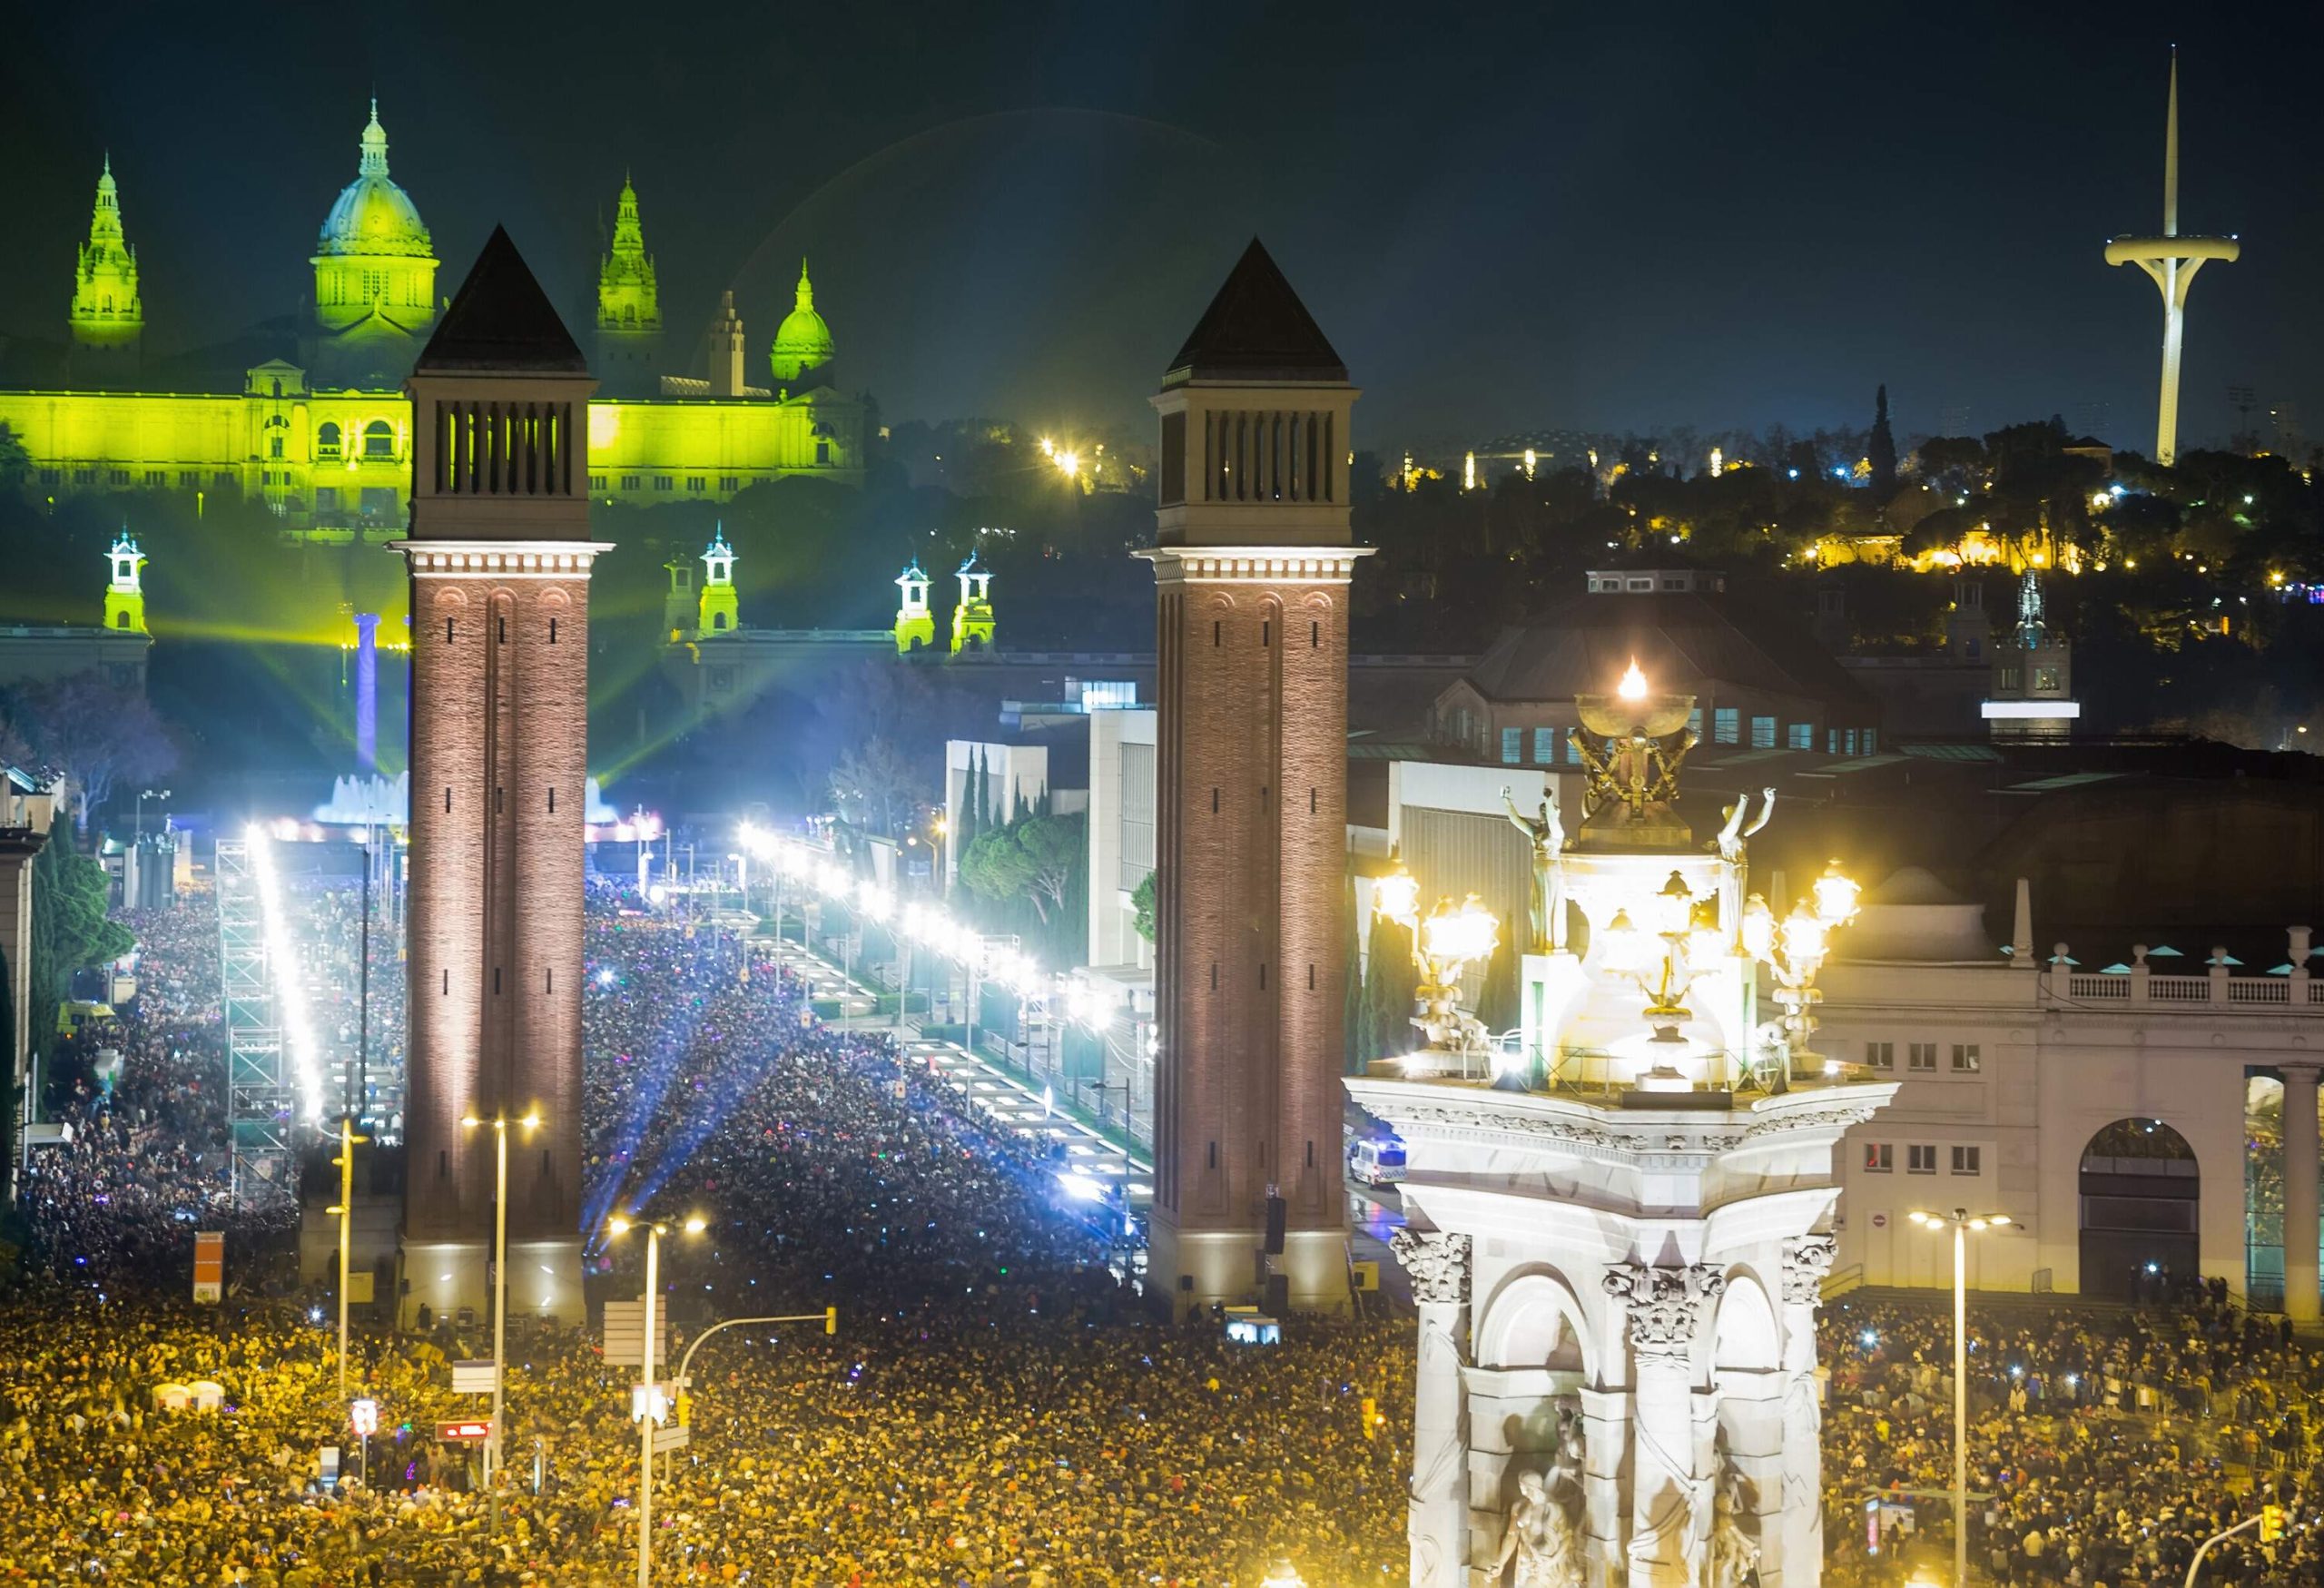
[915,625]
[802,342]
[107,313]
[972,614]
[719,612]
[679,606]
[125,596]
[629,304]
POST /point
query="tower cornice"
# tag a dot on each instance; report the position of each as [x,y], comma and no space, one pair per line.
[1253,565]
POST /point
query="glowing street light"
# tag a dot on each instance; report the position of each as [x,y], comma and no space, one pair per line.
[500,1123]
[1283,1574]
[1961,1221]
[694,1224]
[1794,949]
[1451,938]
[1396,897]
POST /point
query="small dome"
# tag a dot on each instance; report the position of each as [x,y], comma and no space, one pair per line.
[802,341]
[373,215]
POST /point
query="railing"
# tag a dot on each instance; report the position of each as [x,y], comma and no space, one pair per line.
[2245,989]
[2099,988]
[2179,988]
[1840,1281]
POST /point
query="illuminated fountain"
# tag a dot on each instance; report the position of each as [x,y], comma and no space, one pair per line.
[1617,1229]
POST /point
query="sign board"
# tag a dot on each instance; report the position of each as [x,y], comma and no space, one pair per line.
[625,1333]
[328,1468]
[210,1265]
[1368,1275]
[676,1438]
[363,1416]
[899,1089]
[467,1431]
[472,1378]
[1880,1221]
[661,1401]
[1254,1329]
[358,1287]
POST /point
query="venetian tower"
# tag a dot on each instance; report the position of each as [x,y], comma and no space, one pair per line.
[1252,559]
[915,625]
[629,302]
[107,317]
[2171,261]
[499,555]
[972,621]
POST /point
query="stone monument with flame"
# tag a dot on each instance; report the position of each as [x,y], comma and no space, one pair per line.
[1617,1238]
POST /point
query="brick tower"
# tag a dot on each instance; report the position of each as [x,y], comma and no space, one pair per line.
[1251,564]
[499,556]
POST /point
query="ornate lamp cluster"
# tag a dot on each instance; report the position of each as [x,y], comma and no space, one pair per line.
[1445,942]
[1794,950]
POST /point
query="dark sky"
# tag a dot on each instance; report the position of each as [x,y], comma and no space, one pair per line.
[1622,216]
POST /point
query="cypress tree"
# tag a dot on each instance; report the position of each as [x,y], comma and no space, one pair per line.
[1880,451]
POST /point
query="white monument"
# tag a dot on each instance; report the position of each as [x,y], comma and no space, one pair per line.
[1617,1241]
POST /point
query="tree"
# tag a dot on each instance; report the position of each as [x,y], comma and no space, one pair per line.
[71,930]
[1142,901]
[97,734]
[875,789]
[15,463]
[1391,984]
[1881,449]
[1054,846]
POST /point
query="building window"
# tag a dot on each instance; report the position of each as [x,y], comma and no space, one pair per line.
[189,478]
[1800,737]
[1880,1055]
[1871,740]
[274,446]
[822,451]
[1763,732]
[629,482]
[1966,1059]
[118,476]
[326,499]
[1852,743]
[1545,746]
[1726,725]
[1968,1161]
[1513,745]
[722,679]
[1879,1158]
[379,440]
[1694,722]
[662,482]
[223,479]
[2013,679]
[1831,741]
[2046,680]
[1922,1056]
[157,478]
[596,482]
[696,484]
[1920,1160]
[327,440]
[730,483]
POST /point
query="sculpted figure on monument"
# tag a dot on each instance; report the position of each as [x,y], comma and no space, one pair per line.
[1546,835]
[1539,1539]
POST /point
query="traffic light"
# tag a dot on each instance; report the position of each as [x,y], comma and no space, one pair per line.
[685,1410]
[1371,1417]
[831,1321]
[2271,1524]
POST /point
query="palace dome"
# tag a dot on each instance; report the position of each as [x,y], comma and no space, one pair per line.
[802,341]
[373,215]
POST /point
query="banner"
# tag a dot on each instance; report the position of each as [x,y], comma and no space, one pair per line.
[210,1265]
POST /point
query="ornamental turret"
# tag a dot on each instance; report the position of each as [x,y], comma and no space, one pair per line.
[915,625]
[629,302]
[720,611]
[802,342]
[107,313]
[972,614]
[125,596]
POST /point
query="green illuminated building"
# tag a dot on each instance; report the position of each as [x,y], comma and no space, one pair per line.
[719,612]
[313,421]
[107,315]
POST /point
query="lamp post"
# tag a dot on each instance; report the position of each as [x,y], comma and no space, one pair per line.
[500,1123]
[694,1224]
[1449,940]
[345,1212]
[1962,1222]
[142,796]
[1794,951]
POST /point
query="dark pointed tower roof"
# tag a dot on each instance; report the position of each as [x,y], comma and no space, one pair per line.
[1256,329]
[500,320]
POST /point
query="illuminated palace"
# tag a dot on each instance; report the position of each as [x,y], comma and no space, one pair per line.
[309,414]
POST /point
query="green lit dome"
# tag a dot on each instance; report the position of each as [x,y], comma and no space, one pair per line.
[373,215]
[802,341]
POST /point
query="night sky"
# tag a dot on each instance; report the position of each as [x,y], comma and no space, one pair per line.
[1507,219]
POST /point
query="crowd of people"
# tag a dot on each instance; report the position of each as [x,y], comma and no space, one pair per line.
[2104,1446]
[996,1406]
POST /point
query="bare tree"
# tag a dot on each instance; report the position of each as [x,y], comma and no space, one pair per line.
[97,734]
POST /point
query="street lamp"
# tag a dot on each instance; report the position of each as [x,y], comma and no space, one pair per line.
[1451,939]
[500,1123]
[345,1212]
[694,1224]
[1283,1574]
[1794,950]
[142,796]
[1962,1222]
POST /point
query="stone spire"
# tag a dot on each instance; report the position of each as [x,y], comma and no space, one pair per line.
[628,298]
[375,145]
[106,311]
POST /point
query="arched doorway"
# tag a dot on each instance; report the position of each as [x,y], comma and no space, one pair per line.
[2140,1191]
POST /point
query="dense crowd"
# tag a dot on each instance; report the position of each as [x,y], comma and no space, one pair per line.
[2104,1446]
[995,1408]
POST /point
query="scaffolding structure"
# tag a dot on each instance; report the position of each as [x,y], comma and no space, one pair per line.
[258,1100]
